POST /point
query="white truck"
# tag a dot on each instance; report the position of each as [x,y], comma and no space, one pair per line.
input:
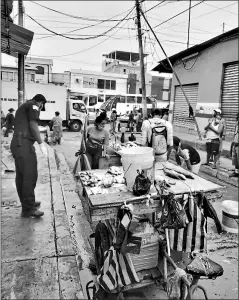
[73,112]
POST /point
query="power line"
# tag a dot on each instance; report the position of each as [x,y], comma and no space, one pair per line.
[86,38]
[92,19]
[177,14]
[200,16]
[69,54]
[82,18]
[221,8]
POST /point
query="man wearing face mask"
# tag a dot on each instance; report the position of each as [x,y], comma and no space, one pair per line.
[26,133]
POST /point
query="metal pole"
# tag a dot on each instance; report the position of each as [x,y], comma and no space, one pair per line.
[21,79]
[174,72]
[141,57]
[223,27]
[189,19]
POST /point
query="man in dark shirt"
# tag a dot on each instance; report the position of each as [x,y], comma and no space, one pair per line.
[9,122]
[186,155]
[26,133]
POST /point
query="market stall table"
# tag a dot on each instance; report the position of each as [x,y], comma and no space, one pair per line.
[105,206]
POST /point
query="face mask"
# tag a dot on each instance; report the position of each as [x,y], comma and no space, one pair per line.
[42,107]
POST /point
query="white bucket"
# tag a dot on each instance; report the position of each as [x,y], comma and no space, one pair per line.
[230,216]
[137,158]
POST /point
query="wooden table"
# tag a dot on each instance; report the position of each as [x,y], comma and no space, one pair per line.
[105,206]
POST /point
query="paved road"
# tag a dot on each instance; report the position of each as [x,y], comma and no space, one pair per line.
[223,249]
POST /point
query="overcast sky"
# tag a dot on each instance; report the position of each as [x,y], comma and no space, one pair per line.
[206,22]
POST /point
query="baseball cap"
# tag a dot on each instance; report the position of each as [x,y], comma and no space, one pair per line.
[11,109]
[40,98]
[218,111]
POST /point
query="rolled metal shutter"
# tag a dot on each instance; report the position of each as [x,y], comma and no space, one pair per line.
[229,103]
[181,109]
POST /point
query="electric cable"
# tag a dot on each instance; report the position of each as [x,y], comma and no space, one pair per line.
[87,38]
[91,19]
[81,18]
[178,14]
[200,16]
[221,8]
[78,52]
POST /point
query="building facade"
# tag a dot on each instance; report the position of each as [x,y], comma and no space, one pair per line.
[209,75]
[122,62]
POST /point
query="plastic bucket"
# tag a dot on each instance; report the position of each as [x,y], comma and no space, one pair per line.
[230,216]
[137,158]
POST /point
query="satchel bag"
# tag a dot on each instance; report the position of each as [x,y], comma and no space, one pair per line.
[141,185]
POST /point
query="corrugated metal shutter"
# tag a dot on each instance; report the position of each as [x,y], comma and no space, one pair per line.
[229,104]
[181,109]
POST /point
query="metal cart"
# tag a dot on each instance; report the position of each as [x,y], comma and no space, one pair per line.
[101,209]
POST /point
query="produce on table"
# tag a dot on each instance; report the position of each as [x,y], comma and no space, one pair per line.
[115,170]
[174,174]
[89,179]
[107,180]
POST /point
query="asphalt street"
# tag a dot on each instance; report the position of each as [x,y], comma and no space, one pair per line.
[222,248]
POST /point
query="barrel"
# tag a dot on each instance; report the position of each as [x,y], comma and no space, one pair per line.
[230,216]
[134,159]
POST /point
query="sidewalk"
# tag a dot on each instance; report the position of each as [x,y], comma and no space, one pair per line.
[39,260]
[223,170]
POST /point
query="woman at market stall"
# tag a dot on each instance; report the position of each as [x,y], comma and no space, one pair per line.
[97,140]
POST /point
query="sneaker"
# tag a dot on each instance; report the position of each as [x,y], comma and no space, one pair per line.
[32,213]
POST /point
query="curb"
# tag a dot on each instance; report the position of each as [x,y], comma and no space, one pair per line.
[221,175]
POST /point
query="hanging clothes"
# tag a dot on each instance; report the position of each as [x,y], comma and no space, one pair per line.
[118,271]
[193,236]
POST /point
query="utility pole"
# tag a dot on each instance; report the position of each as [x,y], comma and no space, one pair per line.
[141,57]
[223,27]
[189,19]
[21,73]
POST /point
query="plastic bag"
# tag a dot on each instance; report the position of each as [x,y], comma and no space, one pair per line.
[141,185]
[173,214]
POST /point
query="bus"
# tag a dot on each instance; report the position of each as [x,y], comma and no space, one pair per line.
[124,103]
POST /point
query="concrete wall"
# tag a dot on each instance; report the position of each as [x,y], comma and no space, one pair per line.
[207,71]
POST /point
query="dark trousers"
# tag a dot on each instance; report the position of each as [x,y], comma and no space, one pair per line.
[93,155]
[25,158]
[8,130]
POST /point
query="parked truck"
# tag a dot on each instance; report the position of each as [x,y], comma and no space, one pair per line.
[73,111]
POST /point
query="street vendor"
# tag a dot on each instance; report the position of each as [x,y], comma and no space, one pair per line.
[186,155]
[158,134]
[97,139]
